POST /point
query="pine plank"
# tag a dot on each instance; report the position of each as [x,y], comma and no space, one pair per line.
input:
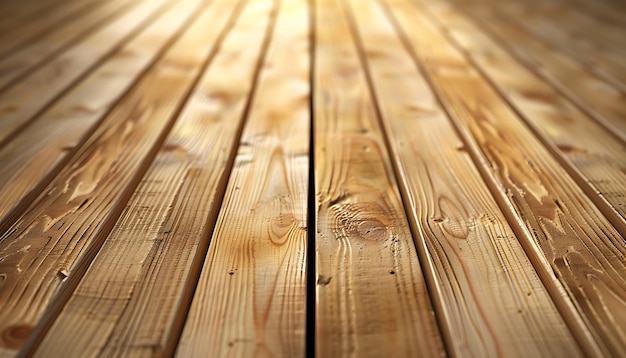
[134,294]
[489,298]
[371,293]
[46,252]
[36,52]
[564,234]
[22,33]
[32,158]
[594,158]
[22,102]
[598,98]
[250,298]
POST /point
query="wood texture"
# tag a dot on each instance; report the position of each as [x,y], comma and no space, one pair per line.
[600,99]
[564,234]
[577,35]
[78,209]
[21,33]
[330,178]
[21,62]
[490,300]
[250,298]
[22,102]
[364,244]
[33,157]
[595,158]
[166,225]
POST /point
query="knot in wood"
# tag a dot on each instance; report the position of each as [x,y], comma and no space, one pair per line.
[372,229]
[14,336]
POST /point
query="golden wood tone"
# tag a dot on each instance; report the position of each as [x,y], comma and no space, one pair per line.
[371,294]
[22,61]
[474,260]
[21,102]
[166,233]
[79,208]
[19,34]
[251,292]
[312,178]
[600,99]
[594,158]
[34,156]
[562,228]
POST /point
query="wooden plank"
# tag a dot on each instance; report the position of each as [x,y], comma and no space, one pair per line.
[371,294]
[564,234]
[21,34]
[596,97]
[489,298]
[593,157]
[17,64]
[33,157]
[135,293]
[46,252]
[22,102]
[250,299]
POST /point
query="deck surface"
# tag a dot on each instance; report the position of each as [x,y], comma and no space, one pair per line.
[330,178]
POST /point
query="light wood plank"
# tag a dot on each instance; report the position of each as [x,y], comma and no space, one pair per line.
[371,294]
[33,157]
[22,33]
[18,63]
[46,252]
[601,100]
[250,299]
[22,102]
[489,298]
[564,234]
[595,158]
[135,293]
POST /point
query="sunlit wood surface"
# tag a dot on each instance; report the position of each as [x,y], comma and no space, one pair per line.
[321,178]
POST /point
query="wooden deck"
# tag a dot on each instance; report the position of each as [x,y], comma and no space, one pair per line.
[329,178]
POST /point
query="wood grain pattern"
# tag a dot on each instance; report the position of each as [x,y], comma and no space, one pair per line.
[364,244]
[601,100]
[137,284]
[595,158]
[563,233]
[329,178]
[22,102]
[250,299]
[65,227]
[18,63]
[490,300]
[32,158]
